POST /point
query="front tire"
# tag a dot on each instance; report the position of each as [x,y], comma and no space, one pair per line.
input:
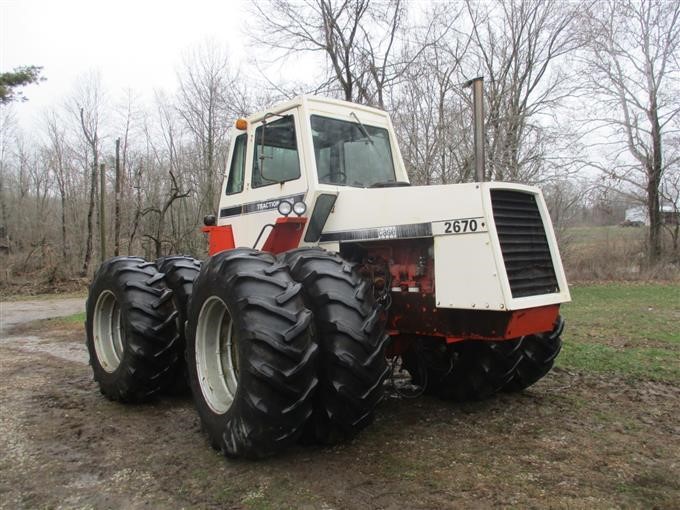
[250,354]
[349,331]
[131,330]
[538,357]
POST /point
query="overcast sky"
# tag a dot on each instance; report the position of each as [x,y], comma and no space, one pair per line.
[133,44]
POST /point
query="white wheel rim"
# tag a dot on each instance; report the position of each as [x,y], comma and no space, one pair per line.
[216,355]
[108,331]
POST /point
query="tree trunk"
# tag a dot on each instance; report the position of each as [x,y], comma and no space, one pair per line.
[90,217]
[102,213]
[654,171]
[92,140]
[116,213]
[64,256]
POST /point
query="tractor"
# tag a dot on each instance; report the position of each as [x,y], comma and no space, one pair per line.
[328,271]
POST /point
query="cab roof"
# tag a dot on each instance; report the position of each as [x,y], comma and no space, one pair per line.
[311,101]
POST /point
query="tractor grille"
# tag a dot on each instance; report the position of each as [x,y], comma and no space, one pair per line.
[523,243]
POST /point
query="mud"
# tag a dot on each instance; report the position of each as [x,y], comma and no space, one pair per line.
[573,440]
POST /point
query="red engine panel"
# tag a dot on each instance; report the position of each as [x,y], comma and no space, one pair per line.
[408,268]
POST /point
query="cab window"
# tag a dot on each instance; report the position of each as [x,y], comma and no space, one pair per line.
[276,156]
[238,166]
[351,153]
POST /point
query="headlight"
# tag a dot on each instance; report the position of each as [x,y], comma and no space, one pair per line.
[299,208]
[285,208]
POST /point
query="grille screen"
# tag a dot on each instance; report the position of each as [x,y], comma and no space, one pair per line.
[523,243]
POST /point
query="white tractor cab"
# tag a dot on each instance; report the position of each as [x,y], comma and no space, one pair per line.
[324,264]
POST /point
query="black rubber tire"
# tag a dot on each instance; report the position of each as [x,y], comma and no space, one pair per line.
[465,371]
[428,361]
[350,334]
[538,356]
[180,272]
[275,351]
[149,333]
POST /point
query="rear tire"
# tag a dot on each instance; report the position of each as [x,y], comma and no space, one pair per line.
[428,362]
[466,371]
[349,332]
[131,330]
[250,354]
[538,356]
[180,272]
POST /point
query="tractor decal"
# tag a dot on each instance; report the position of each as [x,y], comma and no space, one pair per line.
[255,207]
[413,230]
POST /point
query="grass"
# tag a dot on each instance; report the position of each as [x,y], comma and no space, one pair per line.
[628,329]
[67,322]
[76,318]
[588,236]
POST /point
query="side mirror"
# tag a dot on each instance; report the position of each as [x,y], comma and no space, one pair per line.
[210,220]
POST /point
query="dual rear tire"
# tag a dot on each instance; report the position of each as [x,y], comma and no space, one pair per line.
[250,354]
[132,335]
[281,350]
[251,343]
[248,338]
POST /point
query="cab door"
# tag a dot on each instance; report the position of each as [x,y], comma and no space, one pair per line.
[274,172]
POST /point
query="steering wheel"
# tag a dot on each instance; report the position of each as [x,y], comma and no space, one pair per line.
[339,175]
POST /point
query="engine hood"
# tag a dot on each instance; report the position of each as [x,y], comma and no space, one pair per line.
[410,211]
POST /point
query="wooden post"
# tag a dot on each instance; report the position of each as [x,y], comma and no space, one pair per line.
[102,216]
[116,214]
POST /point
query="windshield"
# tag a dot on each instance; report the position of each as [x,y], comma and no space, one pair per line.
[351,154]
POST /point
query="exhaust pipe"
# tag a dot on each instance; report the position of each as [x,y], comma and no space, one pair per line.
[477,85]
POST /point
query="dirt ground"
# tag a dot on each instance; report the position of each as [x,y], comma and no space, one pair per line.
[572,441]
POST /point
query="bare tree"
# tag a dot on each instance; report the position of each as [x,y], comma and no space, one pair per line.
[429,108]
[86,107]
[358,40]
[59,162]
[206,90]
[632,65]
[7,129]
[518,48]
[158,237]
[128,114]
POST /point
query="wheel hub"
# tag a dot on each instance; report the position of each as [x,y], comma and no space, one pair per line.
[216,355]
[109,334]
